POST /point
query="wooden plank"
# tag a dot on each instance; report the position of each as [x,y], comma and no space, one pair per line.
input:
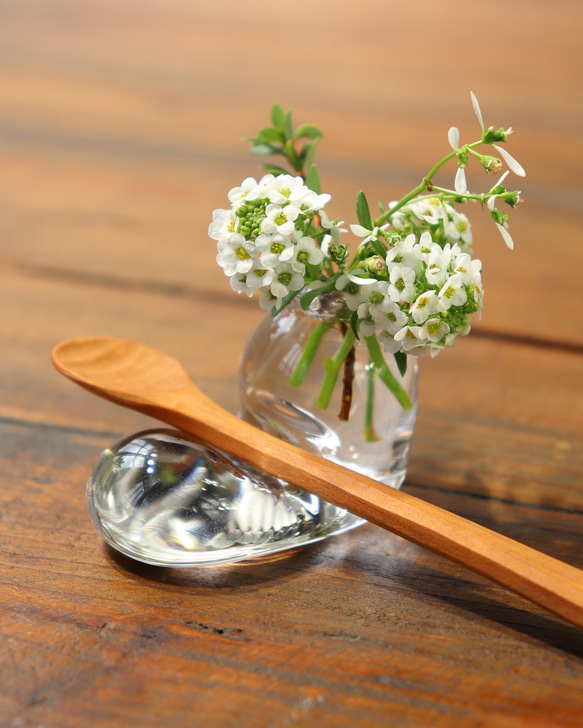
[328,634]
[107,157]
[120,130]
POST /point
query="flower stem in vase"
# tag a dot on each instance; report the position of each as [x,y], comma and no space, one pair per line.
[309,352]
[347,380]
[332,366]
[385,374]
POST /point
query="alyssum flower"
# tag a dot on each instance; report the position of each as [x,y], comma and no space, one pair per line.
[411,286]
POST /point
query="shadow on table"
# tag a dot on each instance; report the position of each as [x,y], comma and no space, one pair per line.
[263,570]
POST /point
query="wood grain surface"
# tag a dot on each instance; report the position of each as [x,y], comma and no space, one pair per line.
[121,128]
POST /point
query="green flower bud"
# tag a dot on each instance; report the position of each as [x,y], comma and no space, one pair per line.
[462,158]
[491,135]
[338,253]
[512,197]
[490,164]
[374,264]
[499,217]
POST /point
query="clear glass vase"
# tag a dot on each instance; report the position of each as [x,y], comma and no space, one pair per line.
[374,439]
[164,499]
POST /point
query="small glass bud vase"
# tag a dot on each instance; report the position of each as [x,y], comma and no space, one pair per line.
[287,389]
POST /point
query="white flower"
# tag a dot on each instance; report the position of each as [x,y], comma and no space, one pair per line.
[424,306]
[424,246]
[283,187]
[256,278]
[402,286]
[468,269]
[308,200]
[274,249]
[438,262]
[279,219]
[285,279]
[354,287]
[430,211]
[434,329]
[375,302]
[224,223]
[334,228]
[458,228]
[391,320]
[411,338]
[406,252]
[453,293]
[235,254]
[306,251]
[247,190]
[388,343]
[366,327]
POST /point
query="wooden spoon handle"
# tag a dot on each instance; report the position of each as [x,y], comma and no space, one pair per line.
[548,582]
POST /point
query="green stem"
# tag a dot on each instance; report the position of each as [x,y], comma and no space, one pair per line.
[426,184]
[385,374]
[369,432]
[333,366]
[308,353]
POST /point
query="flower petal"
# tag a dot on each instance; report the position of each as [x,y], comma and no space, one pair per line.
[506,236]
[517,168]
[453,136]
[476,106]
[361,281]
[359,231]
[461,186]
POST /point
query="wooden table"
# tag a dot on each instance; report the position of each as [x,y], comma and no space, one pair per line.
[120,131]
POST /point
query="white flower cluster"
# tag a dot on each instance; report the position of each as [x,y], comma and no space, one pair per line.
[261,240]
[425,300]
[417,297]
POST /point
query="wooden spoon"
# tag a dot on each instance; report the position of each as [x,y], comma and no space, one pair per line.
[151,382]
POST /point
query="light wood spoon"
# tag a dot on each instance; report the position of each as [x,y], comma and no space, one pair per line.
[151,382]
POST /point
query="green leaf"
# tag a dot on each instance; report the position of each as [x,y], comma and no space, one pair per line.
[277,116]
[287,125]
[292,155]
[379,248]
[311,152]
[285,301]
[308,297]
[263,149]
[401,359]
[363,211]
[271,134]
[273,169]
[308,130]
[313,179]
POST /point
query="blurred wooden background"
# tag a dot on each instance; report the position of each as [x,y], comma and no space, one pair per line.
[121,126]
